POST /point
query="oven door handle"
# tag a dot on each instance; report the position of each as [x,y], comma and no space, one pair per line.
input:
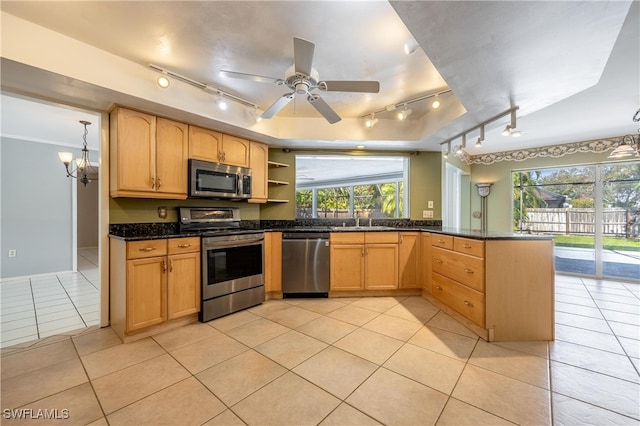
[228,244]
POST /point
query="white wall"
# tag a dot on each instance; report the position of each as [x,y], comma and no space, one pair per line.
[35,209]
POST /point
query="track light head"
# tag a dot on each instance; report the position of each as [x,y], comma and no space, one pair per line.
[163,81]
[371,121]
[436,103]
[222,104]
[506,131]
[402,115]
[478,143]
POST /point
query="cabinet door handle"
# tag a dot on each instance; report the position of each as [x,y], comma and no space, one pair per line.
[438,260]
[170,265]
[164,266]
[184,245]
[362,251]
[438,288]
[147,249]
[469,304]
[466,246]
[401,238]
[159,183]
[153,183]
[468,271]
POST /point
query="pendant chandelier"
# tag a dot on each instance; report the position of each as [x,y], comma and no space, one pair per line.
[83,170]
[630,144]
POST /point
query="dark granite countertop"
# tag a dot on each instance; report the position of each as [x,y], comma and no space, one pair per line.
[479,235]
[151,231]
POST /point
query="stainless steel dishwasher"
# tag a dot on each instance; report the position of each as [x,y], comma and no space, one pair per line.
[305,264]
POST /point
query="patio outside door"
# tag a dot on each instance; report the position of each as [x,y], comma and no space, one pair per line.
[593,211]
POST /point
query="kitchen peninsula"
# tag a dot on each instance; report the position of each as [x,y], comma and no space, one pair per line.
[499,285]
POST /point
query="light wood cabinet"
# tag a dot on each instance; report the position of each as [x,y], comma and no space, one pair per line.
[364,261]
[209,145]
[425,261]
[204,144]
[273,262]
[148,156]
[501,289]
[457,278]
[258,158]
[152,282]
[409,266]
[235,151]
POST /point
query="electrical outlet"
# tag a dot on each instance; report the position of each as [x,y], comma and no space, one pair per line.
[13,253]
[427,214]
[430,204]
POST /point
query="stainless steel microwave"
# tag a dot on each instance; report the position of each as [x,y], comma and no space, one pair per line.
[213,180]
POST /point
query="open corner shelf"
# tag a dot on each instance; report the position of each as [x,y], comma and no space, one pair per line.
[276,164]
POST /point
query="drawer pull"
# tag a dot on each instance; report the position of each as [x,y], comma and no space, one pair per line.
[438,288]
[469,304]
[184,245]
[441,241]
[438,260]
[147,249]
[468,271]
[466,246]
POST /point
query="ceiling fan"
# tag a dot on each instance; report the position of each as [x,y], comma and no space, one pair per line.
[302,79]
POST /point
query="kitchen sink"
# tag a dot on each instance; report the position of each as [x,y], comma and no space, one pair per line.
[361,228]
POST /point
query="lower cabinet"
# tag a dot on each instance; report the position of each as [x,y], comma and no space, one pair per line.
[410,270]
[272,263]
[364,261]
[152,282]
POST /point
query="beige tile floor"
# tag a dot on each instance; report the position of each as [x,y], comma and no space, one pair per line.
[342,362]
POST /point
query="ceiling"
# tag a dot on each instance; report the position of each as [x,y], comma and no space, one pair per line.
[571,67]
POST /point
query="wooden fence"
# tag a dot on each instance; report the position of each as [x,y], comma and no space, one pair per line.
[615,221]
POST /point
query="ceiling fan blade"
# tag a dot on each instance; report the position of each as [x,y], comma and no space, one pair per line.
[252,77]
[323,108]
[351,86]
[277,105]
[303,56]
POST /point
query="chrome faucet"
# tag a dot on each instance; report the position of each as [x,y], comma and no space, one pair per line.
[369,222]
[357,221]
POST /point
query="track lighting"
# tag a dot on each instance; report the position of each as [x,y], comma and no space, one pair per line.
[510,129]
[402,115]
[481,138]
[411,46]
[446,153]
[460,149]
[163,81]
[371,121]
[436,103]
[221,99]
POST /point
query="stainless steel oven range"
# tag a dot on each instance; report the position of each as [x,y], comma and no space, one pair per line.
[232,260]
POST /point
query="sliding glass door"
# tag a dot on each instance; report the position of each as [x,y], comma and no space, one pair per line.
[593,212]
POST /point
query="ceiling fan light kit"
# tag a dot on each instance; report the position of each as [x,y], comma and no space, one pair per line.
[302,79]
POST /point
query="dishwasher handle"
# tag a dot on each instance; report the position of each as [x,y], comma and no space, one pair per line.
[305,236]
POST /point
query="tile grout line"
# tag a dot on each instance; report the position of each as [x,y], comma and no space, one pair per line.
[614,334]
[71,300]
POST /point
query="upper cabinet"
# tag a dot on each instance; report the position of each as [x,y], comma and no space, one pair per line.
[209,145]
[148,156]
[258,158]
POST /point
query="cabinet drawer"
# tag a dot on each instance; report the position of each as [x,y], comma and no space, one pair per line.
[183,245]
[347,238]
[468,270]
[463,300]
[469,246]
[444,241]
[381,237]
[146,248]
